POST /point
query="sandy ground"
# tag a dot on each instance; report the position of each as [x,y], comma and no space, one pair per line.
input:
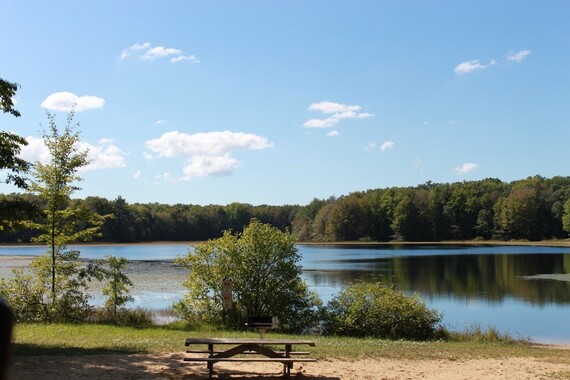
[171,366]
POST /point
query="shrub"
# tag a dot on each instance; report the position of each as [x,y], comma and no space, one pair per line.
[262,263]
[373,310]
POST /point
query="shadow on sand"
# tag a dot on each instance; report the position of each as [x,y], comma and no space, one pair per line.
[57,363]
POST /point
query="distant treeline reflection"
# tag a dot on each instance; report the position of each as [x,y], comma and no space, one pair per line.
[535,208]
[489,277]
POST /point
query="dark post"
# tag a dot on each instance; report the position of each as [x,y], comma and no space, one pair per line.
[6,323]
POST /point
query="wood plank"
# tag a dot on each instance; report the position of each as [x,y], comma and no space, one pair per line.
[190,341]
[234,359]
[247,352]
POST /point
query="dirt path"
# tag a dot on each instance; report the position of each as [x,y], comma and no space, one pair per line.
[171,366]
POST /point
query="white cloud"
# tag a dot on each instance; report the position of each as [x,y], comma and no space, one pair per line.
[159,52]
[104,156]
[137,175]
[192,58]
[147,52]
[338,111]
[331,107]
[466,168]
[127,52]
[105,141]
[333,134]
[161,121]
[370,147]
[518,56]
[387,145]
[469,66]
[35,150]
[203,166]
[321,123]
[206,153]
[65,101]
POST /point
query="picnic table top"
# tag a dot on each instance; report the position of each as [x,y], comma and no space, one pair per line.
[246,341]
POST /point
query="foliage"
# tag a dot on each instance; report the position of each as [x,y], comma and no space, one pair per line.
[531,209]
[117,289]
[10,147]
[55,287]
[53,182]
[262,263]
[10,143]
[32,297]
[373,310]
[7,92]
[566,217]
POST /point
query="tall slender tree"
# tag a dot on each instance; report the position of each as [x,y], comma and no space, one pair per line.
[54,182]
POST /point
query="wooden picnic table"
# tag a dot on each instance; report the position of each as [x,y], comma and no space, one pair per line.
[248,350]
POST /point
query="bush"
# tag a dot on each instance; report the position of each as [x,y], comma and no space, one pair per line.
[262,264]
[373,310]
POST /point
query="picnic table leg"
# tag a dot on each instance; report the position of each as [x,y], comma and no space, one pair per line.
[210,369]
[210,364]
[288,366]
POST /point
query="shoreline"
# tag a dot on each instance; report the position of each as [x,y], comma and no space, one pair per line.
[541,243]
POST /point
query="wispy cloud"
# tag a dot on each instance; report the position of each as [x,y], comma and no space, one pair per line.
[337,112]
[147,52]
[387,145]
[206,154]
[466,168]
[518,56]
[474,65]
[469,66]
[65,101]
[333,133]
[161,121]
[102,156]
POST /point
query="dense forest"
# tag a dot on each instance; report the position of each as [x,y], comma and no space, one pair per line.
[535,208]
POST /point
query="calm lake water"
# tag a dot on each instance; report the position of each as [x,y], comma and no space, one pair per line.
[524,291]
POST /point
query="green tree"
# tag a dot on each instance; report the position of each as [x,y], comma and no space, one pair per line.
[7,92]
[117,289]
[54,183]
[123,221]
[262,263]
[347,219]
[566,217]
[10,143]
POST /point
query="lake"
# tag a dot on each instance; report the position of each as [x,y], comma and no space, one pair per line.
[521,290]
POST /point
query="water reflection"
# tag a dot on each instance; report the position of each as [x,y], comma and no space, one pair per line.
[536,275]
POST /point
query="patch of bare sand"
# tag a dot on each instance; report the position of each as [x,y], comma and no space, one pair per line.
[171,366]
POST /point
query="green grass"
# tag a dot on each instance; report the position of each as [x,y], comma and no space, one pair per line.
[88,339]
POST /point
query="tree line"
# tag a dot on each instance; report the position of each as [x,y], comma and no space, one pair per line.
[535,208]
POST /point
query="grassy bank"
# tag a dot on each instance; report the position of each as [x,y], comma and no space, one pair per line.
[90,339]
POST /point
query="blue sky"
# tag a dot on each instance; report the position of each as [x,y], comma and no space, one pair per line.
[279,102]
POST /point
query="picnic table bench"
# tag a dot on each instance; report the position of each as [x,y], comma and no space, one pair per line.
[247,350]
